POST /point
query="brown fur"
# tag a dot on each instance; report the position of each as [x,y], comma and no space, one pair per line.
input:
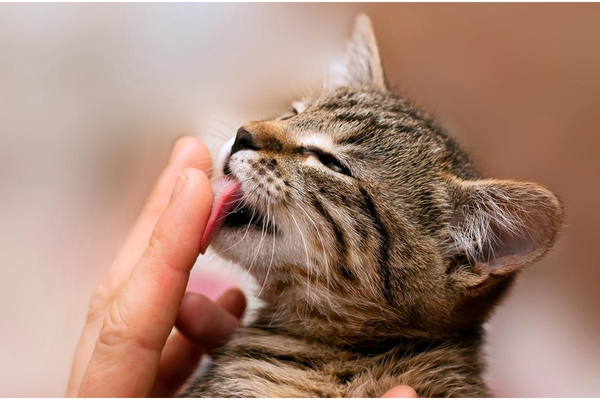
[380,253]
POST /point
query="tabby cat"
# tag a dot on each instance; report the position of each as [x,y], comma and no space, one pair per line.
[379,250]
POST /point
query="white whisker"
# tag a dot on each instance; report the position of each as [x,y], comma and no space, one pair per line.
[307,256]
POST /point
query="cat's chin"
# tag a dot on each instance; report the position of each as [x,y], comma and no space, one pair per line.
[247,243]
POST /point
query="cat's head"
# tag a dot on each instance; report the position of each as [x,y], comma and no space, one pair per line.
[358,216]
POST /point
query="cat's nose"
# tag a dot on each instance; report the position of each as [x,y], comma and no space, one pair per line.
[244,140]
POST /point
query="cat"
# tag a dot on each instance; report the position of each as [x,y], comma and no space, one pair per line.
[379,250]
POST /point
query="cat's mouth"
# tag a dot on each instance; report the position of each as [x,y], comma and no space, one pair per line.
[246,216]
[229,209]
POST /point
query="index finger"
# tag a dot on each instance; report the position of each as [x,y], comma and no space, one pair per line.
[127,353]
[188,152]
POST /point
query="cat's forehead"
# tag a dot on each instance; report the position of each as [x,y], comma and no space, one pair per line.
[335,113]
[348,116]
[344,100]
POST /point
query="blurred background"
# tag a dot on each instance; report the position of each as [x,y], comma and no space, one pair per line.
[92,96]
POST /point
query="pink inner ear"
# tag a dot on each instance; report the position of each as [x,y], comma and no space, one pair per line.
[522,231]
[504,223]
[509,244]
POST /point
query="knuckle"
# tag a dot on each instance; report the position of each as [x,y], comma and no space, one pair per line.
[113,331]
[117,332]
[156,245]
[103,294]
[161,249]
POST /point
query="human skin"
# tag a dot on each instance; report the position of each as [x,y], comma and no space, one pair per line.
[127,348]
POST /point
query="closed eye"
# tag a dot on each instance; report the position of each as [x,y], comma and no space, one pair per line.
[289,115]
[328,160]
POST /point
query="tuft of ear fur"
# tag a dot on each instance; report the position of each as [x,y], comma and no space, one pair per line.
[500,226]
[362,65]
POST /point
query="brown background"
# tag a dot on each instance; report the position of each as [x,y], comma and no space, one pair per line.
[519,85]
[92,96]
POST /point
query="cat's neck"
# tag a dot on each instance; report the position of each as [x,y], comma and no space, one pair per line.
[356,332]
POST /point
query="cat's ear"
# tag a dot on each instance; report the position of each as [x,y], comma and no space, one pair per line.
[498,227]
[362,65]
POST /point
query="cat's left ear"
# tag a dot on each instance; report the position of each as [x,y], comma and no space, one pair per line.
[362,65]
[498,227]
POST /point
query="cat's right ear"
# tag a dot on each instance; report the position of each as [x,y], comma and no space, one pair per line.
[497,228]
[362,65]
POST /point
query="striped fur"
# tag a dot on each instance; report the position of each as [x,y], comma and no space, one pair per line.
[384,251]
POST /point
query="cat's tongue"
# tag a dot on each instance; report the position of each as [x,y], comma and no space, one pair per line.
[228,195]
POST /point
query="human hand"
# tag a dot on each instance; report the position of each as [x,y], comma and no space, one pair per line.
[125,349]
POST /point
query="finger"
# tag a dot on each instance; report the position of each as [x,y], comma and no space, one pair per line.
[179,360]
[234,301]
[188,152]
[136,327]
[180,357]
[208,324]
[401,392]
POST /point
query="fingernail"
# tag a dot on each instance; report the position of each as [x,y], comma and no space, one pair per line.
[179,185]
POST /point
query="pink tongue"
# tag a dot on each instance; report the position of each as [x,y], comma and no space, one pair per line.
[228,194]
